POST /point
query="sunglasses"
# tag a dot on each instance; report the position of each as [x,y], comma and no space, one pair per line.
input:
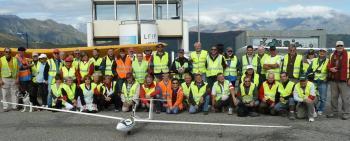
[340,46]
[175,83]
[56,53]
[213,49]
[246,81]
[230,51]
[7,52]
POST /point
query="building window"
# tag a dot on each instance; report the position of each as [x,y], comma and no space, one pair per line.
[104,12]
[162,11]
[126,12]
[146,12]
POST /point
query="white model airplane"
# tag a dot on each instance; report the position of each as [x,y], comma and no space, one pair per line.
[127,124]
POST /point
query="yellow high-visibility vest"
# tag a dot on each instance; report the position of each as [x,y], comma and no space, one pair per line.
[214,67]
[6,72]
[297,63]
[231,70]
[161,63]
[270,94]
[198,61]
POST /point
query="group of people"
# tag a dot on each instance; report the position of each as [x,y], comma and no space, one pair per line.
[257,83]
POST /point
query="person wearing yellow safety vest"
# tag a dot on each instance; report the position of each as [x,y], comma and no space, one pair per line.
[249,59]
[198,59]
[317,72]
[223,95]
[77,58]
[186,88]
[60,95]
[305,95]
[284,98]
[8,77]
[96,60]
[110,94]
[273,63]
[293,63]
[199,97]
[214,65]
[35,87]
[68,70]
[248,99]
[267,95]
[160,62]
[86,91]
[108,64]
[232,66]
[130,93]
[310,56]
[55,65]
[98,96]
[148,91]
[139,68]
[262,57]
[71,95]
[85,67]
[339,78]
[42,75]
[254,77]
[180,66]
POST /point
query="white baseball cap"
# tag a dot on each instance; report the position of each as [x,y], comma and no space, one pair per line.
[42,56]
[250,67]
[339,43]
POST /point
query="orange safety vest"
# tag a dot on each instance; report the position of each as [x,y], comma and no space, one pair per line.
[123,67]
[166,89]
[25,72]
[179,99]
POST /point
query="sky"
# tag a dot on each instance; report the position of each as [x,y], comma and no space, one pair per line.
[75,12]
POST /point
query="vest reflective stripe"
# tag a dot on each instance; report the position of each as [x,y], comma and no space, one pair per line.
[84,68]
[129,94]
[178,65]
[109,64]
[255,81]
[149,91]
[231,70]
[24,74]
[53,69]
[123,67]
[6,72]
[109,91]
[76,62]
[276,71]
[96,62]
[301,93]
[297,63]
[198,61]
[56,91]
[186,89]
[218,89]
[70,90]
[247,97]
[161,64]
[245,63]
[70,73]
[198,93]
[214,67]
[270,93]
[321,72]
[166,89]
[286,91]
[262,61]
[140,70]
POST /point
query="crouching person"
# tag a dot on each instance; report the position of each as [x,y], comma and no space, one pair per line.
[130,93]
[199,96]
[108,94]
[71,88]
[267,95]
[223,94]
[175,98]
[86,94]
[248,99]
[148,91]
[285,101]
[304,94]
[59,95]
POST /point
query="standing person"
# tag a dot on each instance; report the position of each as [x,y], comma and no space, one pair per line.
[147,54]
[139,68]
[123,66]
[85,67]
[262,57]
[68,70]
[180,66]
[77,58]
[96,60]
[175,98]
[248,99]
[55,65]
[35,87]
[215,64]
[107,63]
[223,94]
[293,63]
[198,59]
[8,81]
[284,98]
[24,74]
[305,96]
[249,59]
[86,92]
[339,80]
[267,95]
[199,97]
[160,62]
[317,72]
[130,93]
[233,66]
[310,56]
[42,76]
[148,91]
[272,63]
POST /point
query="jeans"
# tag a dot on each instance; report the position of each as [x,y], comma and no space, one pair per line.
[49,96]
[322,91]
[204,106]
[284,106]
[172,111]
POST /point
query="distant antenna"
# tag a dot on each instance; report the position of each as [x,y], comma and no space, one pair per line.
[198,21]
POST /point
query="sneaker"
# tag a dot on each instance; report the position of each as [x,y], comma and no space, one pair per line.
[332,115]
[345,117]
[116,110]
[157,111]
[311,119]
[230,111]
[319,113]
[315,115]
